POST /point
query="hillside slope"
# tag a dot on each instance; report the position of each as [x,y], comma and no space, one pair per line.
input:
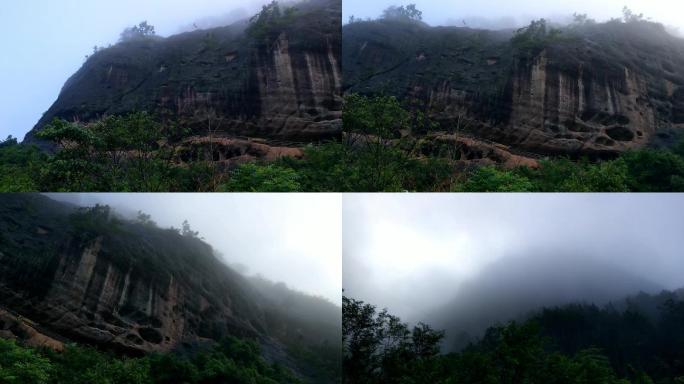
[596,89]
[85,275]
[510,289]
[283,81]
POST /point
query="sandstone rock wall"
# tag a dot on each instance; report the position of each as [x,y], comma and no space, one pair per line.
[596,92]
[222,79]
[91,297]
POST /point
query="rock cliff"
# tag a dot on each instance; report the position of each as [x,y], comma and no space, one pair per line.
[597,90]
[284,85]
[66,275]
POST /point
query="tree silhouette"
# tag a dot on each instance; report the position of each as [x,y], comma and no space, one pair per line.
[187,231]
[142,30]
[404,13]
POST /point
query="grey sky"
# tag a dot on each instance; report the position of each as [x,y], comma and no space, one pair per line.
[416,253]
[506,12]
[293,238]
[44,42]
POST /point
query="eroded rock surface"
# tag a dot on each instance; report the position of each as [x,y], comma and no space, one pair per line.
[135,288]
[288,86]
[230,152]
[600,90]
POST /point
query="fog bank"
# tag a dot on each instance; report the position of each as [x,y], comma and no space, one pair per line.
[474,259]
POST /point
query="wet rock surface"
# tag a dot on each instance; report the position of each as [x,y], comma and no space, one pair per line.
[134,288]
[286,87]
[598,91]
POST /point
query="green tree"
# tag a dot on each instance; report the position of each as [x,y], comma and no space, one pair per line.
[136,32]
[20,365]
[651,170]
[270,22]
[403,13]
[378,347]
[535,37]
[117,153]
[492,179]
[371,124]
[187,231]
[262,178]
[18,166]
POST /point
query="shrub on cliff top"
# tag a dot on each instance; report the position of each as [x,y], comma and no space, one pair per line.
[535,37]
[140,31]
[265,25]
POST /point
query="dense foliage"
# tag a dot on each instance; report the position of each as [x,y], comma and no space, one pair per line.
[572,344]
[117,154]
[19,166]
[231,361]
[374,156]
[403,13]
[646,170]
[370,157]
[378,151]
[535,37]
[267,24]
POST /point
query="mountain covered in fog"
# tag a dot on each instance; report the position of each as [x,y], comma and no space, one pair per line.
[513,288]
[585,89]
[88,275]
[276,75]
[636,340]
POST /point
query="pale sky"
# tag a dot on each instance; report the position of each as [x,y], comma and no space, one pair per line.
[45,41]
[446,12]
[290,238]
[413,253]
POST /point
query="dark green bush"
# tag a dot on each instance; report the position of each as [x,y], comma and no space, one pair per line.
[231,361]
[262,178]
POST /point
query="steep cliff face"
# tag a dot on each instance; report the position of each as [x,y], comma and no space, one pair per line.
[598,90]
[132,287]
[288,86]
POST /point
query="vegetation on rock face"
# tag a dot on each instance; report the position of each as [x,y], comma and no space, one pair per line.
[403,13]
[374,156]
[377,153]
[535,37]
[270,22]
[451,72]
[117,153]
[140,31]
[571,344]
[231,361]
[302,327]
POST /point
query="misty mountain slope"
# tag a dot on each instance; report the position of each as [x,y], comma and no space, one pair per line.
[89,276]
[596,89]
[513,287]
[278,81]
[619,343]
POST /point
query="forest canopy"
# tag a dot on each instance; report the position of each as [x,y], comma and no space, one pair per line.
[576,343]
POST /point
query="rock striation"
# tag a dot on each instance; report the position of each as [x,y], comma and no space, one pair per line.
[596,91]
[285,85]
[134,288]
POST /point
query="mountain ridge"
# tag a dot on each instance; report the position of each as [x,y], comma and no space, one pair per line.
[589,91]
[73,274]
[278,81]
